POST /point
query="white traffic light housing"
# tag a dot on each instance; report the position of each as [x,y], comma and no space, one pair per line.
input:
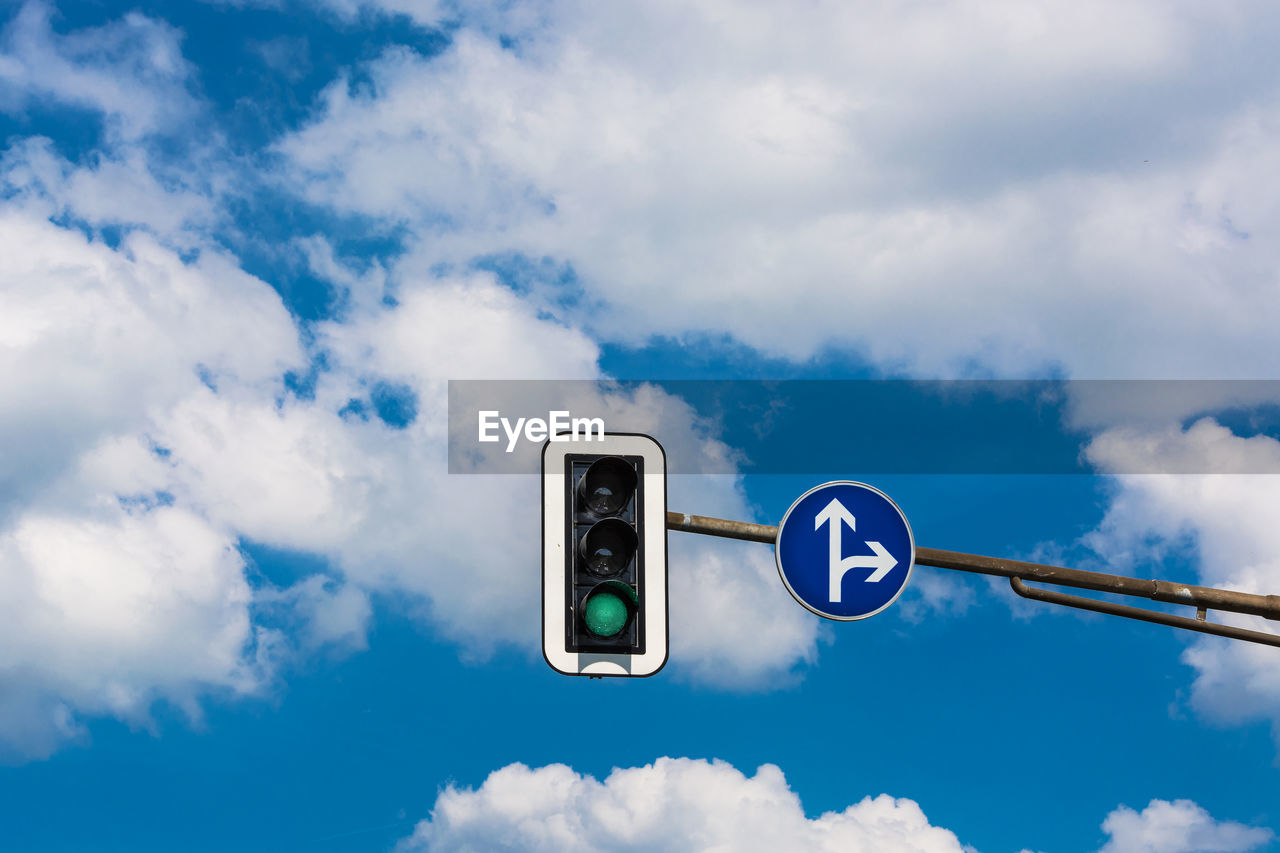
[604,555]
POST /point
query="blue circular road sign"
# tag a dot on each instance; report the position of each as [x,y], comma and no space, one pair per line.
[845,550]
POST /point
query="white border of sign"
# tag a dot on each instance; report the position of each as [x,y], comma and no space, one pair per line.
[655,551]
[777,551]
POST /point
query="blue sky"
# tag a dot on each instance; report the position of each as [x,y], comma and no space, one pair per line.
[244,246]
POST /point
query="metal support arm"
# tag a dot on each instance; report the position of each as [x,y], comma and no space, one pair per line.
[1202,598]
[1113,609]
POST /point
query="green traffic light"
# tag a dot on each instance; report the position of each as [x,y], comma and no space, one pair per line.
[606,615]
[608,609]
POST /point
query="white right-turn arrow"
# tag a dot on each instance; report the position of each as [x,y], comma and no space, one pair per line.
[883,562]
[837,515]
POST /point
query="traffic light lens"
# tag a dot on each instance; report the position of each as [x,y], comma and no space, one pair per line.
[607,486]
[606,615]
[609,608]
[608,547]
[604,501]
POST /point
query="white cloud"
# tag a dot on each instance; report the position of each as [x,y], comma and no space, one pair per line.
[379,501]
[115,189]
[98,339]
[115,596]
[131,71]
[673,804]
[106,612]
[1229,521]
[732,621]
[934,594]
[327,614]
[1180,826]
[701,170]
[147,397]
[497,16]
[875,178]
[943,189]
[679,804]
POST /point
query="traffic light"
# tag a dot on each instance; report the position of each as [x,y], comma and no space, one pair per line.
[604,560]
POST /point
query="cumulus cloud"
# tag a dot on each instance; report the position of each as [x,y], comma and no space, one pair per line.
[151,390]
[732,621]
[962,187]
[858,180]
[684,804]
[673,804]
[130,71]
[97,339]
[144,383]
[872,181]
[1226,520]
[120,188]
[1180,826]
[378,498]
[115,596]
[108,611]
[933,594]
[326,613]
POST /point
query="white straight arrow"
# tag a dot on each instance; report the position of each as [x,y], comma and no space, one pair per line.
[836,515]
